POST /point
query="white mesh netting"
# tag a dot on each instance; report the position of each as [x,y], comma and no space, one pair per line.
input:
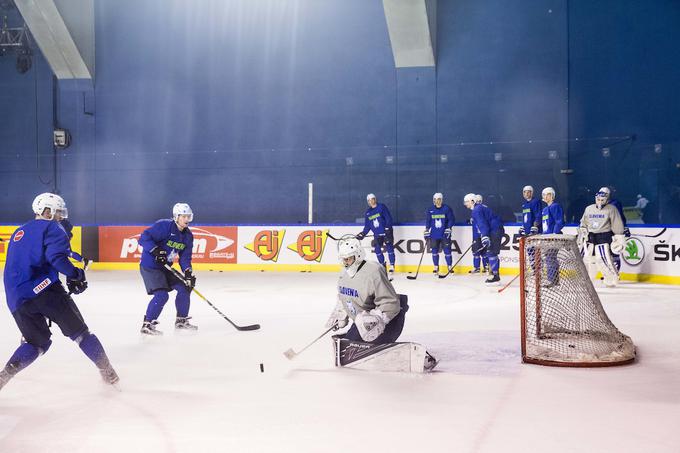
[563,319]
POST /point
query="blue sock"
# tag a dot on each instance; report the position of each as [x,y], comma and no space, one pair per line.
[94,350]
[182,300]
[153,311]
[24,355]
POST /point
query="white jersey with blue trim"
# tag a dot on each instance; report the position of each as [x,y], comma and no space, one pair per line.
[369,288]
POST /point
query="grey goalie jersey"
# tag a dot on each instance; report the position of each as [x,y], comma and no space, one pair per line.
[368,289]
[602,220]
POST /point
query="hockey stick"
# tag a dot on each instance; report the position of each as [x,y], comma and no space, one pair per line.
[427,245]
[237,327]
[290,354]
[649,235]
[508,284]
[461,257]
[337,239]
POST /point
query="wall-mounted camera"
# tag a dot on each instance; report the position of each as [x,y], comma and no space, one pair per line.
[62,139]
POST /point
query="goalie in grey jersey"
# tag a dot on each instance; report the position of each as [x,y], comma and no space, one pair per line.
[366,295]
[600,233]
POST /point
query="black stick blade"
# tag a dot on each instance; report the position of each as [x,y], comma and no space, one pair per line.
[250,327]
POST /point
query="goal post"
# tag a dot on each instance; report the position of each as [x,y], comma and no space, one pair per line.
[562,319]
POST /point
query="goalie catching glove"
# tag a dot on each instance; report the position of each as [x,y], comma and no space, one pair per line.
[338,318]
[371,324]
[618,243]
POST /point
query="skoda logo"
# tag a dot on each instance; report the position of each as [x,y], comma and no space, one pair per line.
[634,252]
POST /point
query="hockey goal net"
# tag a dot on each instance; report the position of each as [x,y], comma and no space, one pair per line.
[563,321]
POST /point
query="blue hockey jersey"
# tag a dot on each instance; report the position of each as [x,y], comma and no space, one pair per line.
[377,219]
[553,219]
[38,252]
[165,233]
[439,219]
[531,215]
[619,207]
[485,221]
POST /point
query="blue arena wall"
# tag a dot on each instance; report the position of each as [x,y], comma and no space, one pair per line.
[236,106]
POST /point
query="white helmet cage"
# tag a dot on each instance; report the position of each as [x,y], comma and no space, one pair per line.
[182,209]
[602,196]
[50,201]
[349,246]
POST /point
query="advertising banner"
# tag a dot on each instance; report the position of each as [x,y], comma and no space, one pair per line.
[7,231]
[120,244]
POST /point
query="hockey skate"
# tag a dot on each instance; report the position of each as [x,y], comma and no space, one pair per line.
[391,269]
[109,375]
[430,362]
[435,271]
[474,271]
[493,279]
[182,323]
[4,378]
[149,328]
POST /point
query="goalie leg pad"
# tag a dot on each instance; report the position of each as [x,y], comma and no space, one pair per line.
[400,357]
[606,265]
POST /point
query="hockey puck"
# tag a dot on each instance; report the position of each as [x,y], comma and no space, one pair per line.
[262,368]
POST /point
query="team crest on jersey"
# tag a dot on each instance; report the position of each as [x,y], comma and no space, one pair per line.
[18,236]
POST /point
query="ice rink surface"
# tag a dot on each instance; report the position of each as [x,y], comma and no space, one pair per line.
[204,392]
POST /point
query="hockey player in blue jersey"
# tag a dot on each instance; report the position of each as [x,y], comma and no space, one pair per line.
[38,252]
[552,223]
[491,230]
[616,258]
[379,221]
[438,223]
[162,242]
[531,213]
[478,257]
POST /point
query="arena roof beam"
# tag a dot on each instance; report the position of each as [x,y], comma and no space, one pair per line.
[409,29]
[53,37]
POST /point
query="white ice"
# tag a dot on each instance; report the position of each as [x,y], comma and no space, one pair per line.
[204,392]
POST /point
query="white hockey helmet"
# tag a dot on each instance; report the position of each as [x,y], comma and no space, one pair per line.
[182,209]
[602,197]
[528,189]
[548,190]
[479,199]
[438,196]
[370,196]
[50,201]
[349,246]
[469,200]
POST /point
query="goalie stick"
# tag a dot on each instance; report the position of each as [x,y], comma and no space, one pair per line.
[290,354]
[456,264]
[650,235]
[237,327]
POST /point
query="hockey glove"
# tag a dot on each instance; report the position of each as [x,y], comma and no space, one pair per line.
[426,234]
[626,232]
[534,229]
[389,236]
[521,231]
[189,278]
[618,243]
[486,242]
[447,234]
[361,235]
[78,284]
[371,324]
[160,256]
[338,318]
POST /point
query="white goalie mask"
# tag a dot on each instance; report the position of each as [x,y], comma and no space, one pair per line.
[479,199]
[182,209]
[349,247]
[50,201]
[469,200]
[602,197]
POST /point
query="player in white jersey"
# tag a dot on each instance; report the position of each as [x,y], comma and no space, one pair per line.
[600,233]
[366,295]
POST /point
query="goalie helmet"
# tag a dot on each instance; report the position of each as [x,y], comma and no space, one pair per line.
[479,199]
[602,197]
[50,201]
[350,246]
[182,209]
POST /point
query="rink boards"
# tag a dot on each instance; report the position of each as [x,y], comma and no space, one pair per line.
[307,248]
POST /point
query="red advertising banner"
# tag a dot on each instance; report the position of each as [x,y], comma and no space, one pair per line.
[120,244]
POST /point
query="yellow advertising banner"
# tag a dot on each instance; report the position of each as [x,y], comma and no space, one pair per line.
[6,232]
